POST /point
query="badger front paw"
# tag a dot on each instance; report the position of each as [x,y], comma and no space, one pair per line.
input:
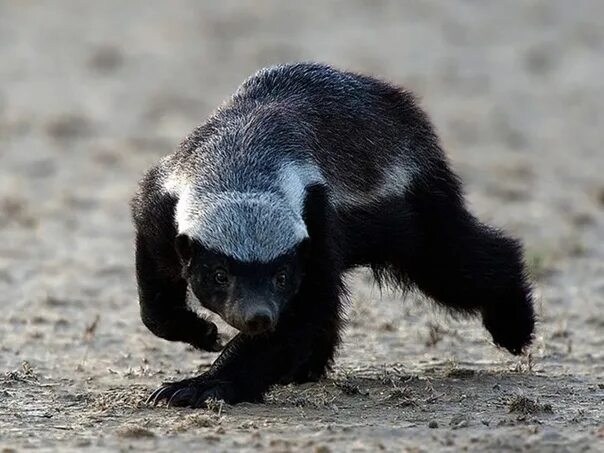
[195,392]
[210,340]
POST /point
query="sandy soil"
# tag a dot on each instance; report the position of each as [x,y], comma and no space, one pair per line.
[92,93]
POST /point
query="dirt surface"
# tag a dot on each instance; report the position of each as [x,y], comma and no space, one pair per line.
[91,93]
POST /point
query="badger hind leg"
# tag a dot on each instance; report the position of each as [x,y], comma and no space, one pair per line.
[509,315]
[465,266]
[485,273]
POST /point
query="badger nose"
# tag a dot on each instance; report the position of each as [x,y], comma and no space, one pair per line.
[259,321]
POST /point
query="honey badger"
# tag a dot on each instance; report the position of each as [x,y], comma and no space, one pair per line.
[307,172]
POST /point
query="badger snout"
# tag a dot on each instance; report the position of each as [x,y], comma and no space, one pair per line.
[259,320]
[254,319]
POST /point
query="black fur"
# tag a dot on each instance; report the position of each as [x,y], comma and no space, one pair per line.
[161,287]
[303,344]
[353,127]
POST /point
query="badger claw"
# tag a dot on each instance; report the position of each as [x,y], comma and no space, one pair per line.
[157,396]
[191,393]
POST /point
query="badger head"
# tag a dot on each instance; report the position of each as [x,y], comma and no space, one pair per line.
[243,255]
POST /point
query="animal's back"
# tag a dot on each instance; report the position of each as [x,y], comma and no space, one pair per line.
[367,139]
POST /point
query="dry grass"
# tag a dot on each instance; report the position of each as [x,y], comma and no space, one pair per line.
[527,406]
[118,399]
[131,431]
[195,421]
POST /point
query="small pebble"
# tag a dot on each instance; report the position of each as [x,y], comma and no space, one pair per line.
[433,424]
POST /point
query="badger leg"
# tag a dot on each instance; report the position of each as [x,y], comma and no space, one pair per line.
[302,346]
[465,265]
[299,350]
[163,307]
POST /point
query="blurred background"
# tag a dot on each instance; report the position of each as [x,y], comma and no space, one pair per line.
[92,93]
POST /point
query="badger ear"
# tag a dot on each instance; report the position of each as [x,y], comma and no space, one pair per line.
[182,243]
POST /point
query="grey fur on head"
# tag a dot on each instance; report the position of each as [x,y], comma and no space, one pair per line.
[245,226]
[254,223]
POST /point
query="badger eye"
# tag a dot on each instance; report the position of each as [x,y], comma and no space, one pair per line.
[281,279]
[220,277]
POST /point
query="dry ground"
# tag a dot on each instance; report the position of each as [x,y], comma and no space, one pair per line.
[93,93]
